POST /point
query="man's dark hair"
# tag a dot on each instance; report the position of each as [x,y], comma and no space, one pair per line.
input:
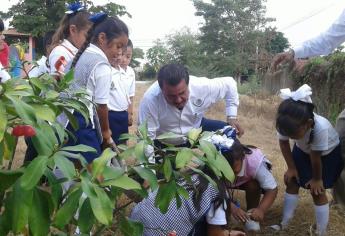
[2,26]
[172,74]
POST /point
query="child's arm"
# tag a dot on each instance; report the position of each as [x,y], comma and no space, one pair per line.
[102,112]
[316,183]
[286,151]
[130,112]
[266,202]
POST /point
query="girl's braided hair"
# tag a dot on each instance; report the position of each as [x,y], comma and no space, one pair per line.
[112,27]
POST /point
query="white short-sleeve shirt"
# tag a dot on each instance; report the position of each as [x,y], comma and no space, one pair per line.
[119,94]
[40,68]
[161,117]
[130,81]
[98,84]
[66,49]
[325,137]
[217,216]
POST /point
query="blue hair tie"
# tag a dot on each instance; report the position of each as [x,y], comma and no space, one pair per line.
[74,8]
[98,17]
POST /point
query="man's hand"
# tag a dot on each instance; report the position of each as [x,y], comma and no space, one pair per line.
[234,123]
[282,58]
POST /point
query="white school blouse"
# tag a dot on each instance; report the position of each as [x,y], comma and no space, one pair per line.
[130,81]
[325,138]
[66,49]
[203,92]
[119,94]
[40,68]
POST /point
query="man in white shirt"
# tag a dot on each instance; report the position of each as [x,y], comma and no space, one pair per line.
[323,44]
[177,102]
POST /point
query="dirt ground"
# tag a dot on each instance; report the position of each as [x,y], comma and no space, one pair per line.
[256,115]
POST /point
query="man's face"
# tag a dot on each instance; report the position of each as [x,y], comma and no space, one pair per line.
[177,95]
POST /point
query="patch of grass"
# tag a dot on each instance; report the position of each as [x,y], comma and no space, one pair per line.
[250,87]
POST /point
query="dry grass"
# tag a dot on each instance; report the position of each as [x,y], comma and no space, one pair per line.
[257,118]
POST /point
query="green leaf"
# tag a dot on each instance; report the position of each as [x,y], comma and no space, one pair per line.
[6,216]
[87,186]
[99,163]
[25,111]
[7,146]
[129,152]
[183,157]
[33,172]
[8,178]
[182,192]
[142,129]
[112,172]
[71,119]
[69,76]
[139,151]
[76,156]
[193,135]
[128,137]
[169,135]
[39,218]
[51,95]
[224,166]
[86,218]
[37,83]
[129,227]
[209,179]
[123,182]
[60,132]
[165,195]
[148,175]
[22,200]
[3,120]
[56,189]
[79,148]
[45,140]
[65,165]
[68,209]
[167,168]
[44,112]
[209,149]
[102,207]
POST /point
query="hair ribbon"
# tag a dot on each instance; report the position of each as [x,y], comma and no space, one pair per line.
[74,8]
[98,17]
[301,94]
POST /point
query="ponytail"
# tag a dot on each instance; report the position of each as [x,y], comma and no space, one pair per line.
[79,19]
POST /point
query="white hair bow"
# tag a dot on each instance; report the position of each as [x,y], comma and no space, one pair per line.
[301,94]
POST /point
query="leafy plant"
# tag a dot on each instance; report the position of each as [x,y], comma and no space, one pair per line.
[37,202]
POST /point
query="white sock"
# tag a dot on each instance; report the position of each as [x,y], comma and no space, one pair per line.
[290,204]
[322,217]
